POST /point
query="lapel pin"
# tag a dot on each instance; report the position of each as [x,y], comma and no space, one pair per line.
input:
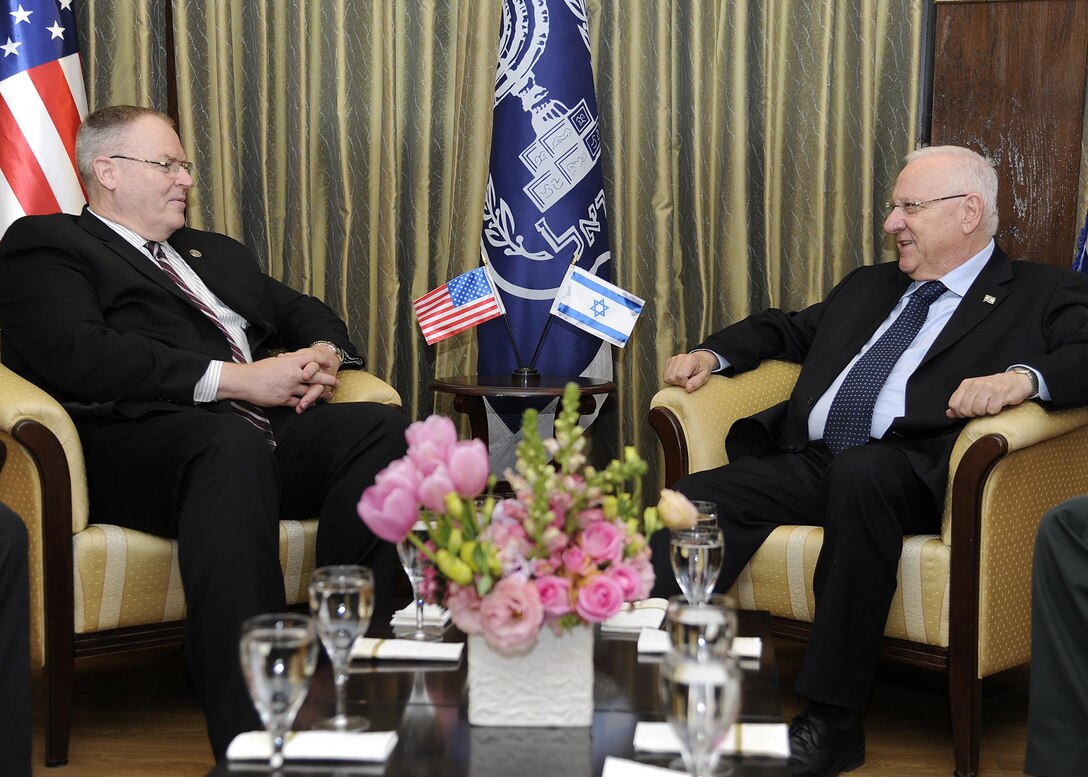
[989,299]
[196,255]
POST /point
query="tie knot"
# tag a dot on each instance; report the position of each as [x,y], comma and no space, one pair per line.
[156,251]
[929,291]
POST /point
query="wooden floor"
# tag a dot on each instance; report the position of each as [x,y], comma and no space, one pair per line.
[136,715]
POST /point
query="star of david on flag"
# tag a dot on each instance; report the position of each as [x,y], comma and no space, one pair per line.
[597,306]
[457,305]
[42,103]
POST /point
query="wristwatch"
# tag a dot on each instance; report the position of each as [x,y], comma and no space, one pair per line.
[1031,376]
[335,348]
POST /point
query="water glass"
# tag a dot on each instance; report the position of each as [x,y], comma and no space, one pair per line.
[413,561]
[341,602]
[704,630]
[708,513]
[278,654]
[701,699]
[696,555]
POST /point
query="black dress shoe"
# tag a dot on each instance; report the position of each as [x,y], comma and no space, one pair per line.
[819,749]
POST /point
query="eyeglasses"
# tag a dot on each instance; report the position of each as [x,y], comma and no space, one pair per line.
[911,208]
[171,166]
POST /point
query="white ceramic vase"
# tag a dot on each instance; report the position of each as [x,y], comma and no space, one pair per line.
[551,685]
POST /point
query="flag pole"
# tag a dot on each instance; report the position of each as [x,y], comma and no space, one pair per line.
[522,376]
[547,325]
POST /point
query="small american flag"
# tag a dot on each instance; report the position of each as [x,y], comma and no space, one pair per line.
[457,305]
[42,103]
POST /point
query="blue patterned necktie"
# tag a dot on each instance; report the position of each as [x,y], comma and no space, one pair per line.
[850,417]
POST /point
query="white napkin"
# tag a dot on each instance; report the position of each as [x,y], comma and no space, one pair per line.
[374,746]
[657,641]
[744,738]
[621,767]
[433,615]
[635,616]
[406,650]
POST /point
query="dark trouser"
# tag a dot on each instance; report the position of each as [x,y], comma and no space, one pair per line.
[14,647]
[210,480]
[1058,703]
[865,499]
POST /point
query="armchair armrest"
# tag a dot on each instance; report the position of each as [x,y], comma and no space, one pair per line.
[692,427]
[361,386]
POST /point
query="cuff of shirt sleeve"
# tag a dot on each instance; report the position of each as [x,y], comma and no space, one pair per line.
[208,386]
[722,362]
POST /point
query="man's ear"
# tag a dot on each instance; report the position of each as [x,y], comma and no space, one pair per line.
[972,212]
[105,172]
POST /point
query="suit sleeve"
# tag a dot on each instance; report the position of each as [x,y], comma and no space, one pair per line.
[1064,365]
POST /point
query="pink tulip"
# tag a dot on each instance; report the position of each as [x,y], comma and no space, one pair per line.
[469,467]
[429,442]
[599,599]
[511,615]
[554,594]
[389,511]
[434,488]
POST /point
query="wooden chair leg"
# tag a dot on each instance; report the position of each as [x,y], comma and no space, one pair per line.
[59,682]
[965,701]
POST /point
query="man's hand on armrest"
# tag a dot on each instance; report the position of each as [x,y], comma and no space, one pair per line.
[690,370]
[989,394]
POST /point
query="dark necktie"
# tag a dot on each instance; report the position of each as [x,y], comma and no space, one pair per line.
[247,410]
[850,417]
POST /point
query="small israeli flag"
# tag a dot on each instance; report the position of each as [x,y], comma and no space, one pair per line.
[597,306]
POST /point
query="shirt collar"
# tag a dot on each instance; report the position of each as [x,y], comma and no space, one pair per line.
[960,279]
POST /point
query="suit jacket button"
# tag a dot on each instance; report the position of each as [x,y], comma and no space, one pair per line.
[791,447]
[810,401]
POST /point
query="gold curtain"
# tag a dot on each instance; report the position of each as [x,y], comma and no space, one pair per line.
[747,146]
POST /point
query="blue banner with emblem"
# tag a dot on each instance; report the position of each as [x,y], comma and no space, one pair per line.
[1080,256]
[545,205]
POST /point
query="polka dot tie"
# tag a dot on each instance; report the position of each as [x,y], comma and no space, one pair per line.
[850,418]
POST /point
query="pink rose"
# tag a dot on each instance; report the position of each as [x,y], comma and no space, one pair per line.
[575,560]
[469,467]
[641,564]
[464,606]
[429,442]
[390,508]
[603,541]
[511,615]
[554,594]
[599,599]
[628,579]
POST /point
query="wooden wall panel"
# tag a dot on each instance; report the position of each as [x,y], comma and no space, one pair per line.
[1009,82]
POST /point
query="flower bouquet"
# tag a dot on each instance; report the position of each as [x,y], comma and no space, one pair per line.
[569,548]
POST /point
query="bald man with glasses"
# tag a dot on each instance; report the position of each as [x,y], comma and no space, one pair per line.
[158,339]
[893,363]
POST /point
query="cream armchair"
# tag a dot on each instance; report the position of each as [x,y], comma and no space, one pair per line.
[963,605]
[97,588]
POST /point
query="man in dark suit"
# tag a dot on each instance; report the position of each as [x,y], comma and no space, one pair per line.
[14,645]
[892,365]
[158,340]
[1058,703]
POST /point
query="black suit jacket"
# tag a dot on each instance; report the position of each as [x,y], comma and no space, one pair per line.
[1014,313]
[94,322]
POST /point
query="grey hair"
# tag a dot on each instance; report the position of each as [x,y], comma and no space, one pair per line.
[975,173]
[101,131]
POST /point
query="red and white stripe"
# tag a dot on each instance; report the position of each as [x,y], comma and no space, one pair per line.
[439,319]
[40,111]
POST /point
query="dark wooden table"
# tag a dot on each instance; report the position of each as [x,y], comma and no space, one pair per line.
[469,392]
[427,705]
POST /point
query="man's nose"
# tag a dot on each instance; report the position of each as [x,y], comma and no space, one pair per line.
[894,222]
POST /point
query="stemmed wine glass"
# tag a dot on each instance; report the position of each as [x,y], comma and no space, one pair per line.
[278,654]
[341,601]
[412,559]
[696,556]
[701,699]
[708,513]
[704,630]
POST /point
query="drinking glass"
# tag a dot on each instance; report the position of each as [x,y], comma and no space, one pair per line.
[696,556]
[708,513]
[341,601]
[413,561]
[701,699]
[703,630]
[278,654]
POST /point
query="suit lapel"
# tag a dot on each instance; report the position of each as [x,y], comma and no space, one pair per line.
[875,306]
[983,297]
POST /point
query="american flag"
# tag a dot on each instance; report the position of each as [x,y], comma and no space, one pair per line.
[457,305]
[42,102]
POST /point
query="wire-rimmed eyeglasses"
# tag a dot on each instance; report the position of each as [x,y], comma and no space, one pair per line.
[171,166]
[911,208]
